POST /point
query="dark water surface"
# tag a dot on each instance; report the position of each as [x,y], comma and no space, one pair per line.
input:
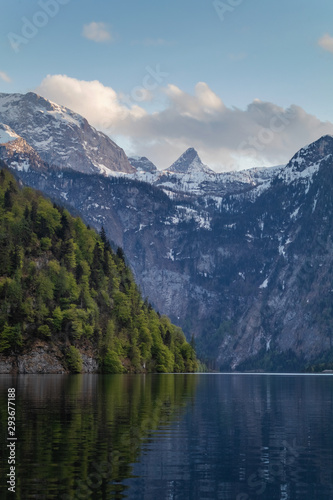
[156,437]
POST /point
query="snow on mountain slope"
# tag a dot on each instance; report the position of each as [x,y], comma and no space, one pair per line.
[63,138]
[17,153]
[60,136]
[307,161]
[190,177]
[7,134]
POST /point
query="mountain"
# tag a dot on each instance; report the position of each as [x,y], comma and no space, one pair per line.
[190,176]
[188,163]
[60,136]
[17,152]
[68,302]
[242,259]
[142,164]
[7,134]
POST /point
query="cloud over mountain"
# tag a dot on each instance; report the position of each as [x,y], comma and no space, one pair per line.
[226,138]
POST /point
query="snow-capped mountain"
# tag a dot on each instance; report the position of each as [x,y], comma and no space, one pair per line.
[242,259]
[17,153]
[189,163]
[65,139]
[188,175]
[60,136]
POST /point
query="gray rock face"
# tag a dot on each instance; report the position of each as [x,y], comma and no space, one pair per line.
[7,364]
[90,365]
[44,358]
[60,136]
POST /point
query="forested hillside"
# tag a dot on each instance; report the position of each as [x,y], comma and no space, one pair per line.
[62,283]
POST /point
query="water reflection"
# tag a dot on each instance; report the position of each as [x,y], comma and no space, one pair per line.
[181,437]
[78,435]
[246,437]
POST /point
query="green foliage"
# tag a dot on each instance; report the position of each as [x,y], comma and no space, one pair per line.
[74,359]
[61,280]
[112,363]
[45,244]
[44,331]
[10,337]
[57,319]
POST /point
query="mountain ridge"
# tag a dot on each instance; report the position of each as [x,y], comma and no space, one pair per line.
[60,136]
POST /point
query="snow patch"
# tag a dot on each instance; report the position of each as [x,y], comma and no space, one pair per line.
[21,167]
[264,284]
[295,213]
[170,255]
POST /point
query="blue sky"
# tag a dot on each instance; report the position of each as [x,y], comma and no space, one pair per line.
[170,75]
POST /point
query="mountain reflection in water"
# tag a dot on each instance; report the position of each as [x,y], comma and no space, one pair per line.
[209,436]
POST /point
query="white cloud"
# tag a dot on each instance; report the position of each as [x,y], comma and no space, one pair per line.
[97,32]
[226,138]
[5,77]
[326,42]
[99,104]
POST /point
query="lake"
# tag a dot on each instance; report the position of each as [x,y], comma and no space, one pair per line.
[156,437]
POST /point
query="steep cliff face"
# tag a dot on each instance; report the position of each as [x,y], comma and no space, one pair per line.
[291,310]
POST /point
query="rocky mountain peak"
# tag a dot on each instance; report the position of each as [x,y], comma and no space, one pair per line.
[60,136]
[17,152]
[141,163]
[312,153]
[189,162]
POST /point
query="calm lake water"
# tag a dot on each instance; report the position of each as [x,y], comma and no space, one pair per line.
[156,437]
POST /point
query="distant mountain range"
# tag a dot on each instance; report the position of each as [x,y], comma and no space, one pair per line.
[244,260]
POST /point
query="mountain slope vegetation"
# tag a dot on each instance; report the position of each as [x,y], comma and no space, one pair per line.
[62,283]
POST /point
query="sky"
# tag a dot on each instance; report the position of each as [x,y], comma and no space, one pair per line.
[245,82]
